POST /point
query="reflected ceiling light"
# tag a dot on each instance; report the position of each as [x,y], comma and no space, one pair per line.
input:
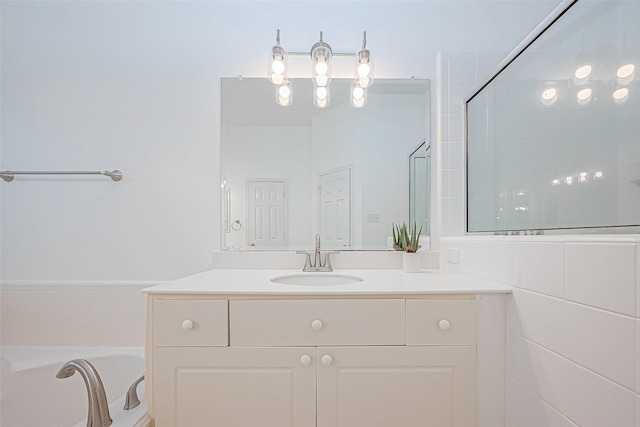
[358,94]
[284,95]
[555,182]
[321,58]
[582,74]
[569,180]
[626,74]
[620,95]
[549,96]
[598,175]
[582,177]
[584,96]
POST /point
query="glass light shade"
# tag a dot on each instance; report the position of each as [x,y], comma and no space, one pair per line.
[284,94]
[277,72]
[321,64]
[358,94]
[364,68]
[626,74]
[582,74]
[321,96]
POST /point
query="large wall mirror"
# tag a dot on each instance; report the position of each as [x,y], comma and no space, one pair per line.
[289,173]
[553,139]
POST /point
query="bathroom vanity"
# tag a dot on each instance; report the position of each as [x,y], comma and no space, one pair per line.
[232,348]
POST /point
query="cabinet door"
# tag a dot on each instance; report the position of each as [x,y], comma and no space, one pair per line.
[234,387]
[397,386]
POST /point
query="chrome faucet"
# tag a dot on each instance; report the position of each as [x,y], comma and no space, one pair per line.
[131,400]
[98,405]
[318,264]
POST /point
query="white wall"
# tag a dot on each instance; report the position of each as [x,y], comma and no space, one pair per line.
[136,86]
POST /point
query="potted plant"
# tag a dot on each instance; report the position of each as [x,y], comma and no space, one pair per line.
[406,239]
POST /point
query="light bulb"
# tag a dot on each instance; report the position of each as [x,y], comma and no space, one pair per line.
[549,96]
[363,81]
[321,67]
[584,96]
[363,69]
[569,180]
[598,174]
[358,92]
[278,66]
[322,80]
[625,71]
[284,101]
[321,92]
[583,177]
[358,102]
[284,91]
[555,182]
[620,95]
[583,72]
[322,102]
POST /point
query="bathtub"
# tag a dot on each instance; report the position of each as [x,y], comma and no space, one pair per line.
[32,396]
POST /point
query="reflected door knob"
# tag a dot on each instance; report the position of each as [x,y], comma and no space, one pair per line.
[444,324]
[187,325]
[305,360]
[316,325]
[327,360]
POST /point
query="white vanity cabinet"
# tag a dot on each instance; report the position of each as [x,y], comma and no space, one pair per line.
[326,362]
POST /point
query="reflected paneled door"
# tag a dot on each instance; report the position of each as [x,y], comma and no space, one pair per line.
[335,209]
[267,216]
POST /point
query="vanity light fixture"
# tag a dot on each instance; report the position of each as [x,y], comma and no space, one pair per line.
[549,96]
[620,95]
[321,58]
[582,74]
[584,96]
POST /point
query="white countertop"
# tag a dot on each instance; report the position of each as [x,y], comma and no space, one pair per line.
[376,282]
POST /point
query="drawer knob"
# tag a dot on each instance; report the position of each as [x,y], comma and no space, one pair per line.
[187,325]
[305,360]
[327,360]
[316,325]
[444,324]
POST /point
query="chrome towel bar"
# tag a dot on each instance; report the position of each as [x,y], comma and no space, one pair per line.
[8,176]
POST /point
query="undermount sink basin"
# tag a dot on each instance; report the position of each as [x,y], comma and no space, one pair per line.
[316,279]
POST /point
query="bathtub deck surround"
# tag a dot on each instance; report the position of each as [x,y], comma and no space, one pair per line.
[424,343]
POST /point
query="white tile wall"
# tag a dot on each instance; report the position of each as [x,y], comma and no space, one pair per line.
[594,401]
[573,357]
[91,314]
[602,275]
[602,341]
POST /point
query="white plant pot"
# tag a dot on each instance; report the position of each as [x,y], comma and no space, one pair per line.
[411,262]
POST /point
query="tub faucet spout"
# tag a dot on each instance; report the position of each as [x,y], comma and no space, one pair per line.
[131,400]
[98,404]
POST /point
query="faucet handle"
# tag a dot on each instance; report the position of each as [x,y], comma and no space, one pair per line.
[307,261]
[327,259]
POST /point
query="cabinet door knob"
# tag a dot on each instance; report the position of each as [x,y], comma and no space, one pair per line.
[305,360]
[444,324]
[327,360]
[187,324]
[316,325]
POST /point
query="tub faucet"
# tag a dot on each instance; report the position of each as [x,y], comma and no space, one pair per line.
[131,400]
[317,264]
[98,405]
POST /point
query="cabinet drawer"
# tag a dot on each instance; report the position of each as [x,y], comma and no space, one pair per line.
[441,322]
[190,323]
[317,322]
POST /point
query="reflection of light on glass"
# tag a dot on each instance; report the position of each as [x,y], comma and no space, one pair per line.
[520,194]
[522,208]
[549,96]
[582,74]
[584,96]
[555,182]
[621,95]
[569,180]
[598,175]
[582,177]
[625,74]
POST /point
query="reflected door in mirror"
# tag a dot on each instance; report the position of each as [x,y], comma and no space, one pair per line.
[267,206]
